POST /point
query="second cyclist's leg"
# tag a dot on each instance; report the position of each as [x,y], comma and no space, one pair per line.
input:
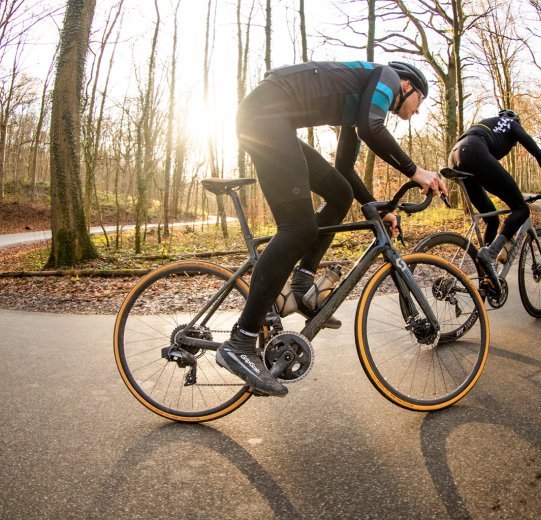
[496,180]
[471,155]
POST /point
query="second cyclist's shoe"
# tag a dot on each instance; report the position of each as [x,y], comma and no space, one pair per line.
[238,355]
[301,283]
[488,263]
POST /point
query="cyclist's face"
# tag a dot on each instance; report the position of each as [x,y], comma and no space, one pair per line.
[412,103]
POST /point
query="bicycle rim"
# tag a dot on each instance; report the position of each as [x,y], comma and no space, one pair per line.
[157,310]
[529,276]
[398,361]
[454,248]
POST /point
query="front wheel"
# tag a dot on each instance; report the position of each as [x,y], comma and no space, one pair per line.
[403,359]
[167,374]
[529,275]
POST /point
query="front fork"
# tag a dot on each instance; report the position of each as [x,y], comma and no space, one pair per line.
[410,292]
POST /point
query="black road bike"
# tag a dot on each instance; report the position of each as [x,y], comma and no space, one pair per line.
[461,251]
[421,329]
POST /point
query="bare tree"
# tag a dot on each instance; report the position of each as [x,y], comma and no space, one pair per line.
[32,172]
[370,56]
[214,170]
[170,125]
[94,114]
[146,139]
[499,51]
[304,47]
[268,35]
[70,239]
[243,46]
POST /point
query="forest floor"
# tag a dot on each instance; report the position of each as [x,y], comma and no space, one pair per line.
[90,288]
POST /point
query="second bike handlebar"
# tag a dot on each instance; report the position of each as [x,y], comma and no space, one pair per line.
[407,207]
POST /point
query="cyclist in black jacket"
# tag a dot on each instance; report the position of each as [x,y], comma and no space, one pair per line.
[357,95]
[478,151]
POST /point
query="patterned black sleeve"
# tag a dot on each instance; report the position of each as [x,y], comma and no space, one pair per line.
[377,99]
[346,155]
[527,141]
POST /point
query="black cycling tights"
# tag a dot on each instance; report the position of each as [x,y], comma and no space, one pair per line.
[471,155]
[288,170]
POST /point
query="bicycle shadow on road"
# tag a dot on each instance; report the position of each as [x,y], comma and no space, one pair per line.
[186,444]
[437,428]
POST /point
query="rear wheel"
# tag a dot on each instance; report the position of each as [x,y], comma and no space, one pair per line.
[455,249]
[458,251]
[404,358]
[154,322]
[529,275]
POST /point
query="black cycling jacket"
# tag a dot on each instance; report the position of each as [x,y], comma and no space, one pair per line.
[356,95]
[501,134]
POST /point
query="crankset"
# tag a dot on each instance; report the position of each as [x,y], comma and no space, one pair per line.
[289,356]
[498,301]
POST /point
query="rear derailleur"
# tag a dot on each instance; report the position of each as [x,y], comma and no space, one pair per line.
[183,354]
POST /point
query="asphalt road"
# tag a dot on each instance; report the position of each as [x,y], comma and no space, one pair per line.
[75,444]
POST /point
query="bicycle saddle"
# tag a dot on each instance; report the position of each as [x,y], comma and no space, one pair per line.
[221,186]
[454,175]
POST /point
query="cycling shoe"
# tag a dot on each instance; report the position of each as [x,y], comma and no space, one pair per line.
[488,264]
[238,356]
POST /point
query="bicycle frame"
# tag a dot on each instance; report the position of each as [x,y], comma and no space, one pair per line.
[520,236]
[380,245]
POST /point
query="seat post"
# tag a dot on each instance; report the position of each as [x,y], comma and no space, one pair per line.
[239,210]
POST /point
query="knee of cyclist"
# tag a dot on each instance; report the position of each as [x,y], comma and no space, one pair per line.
[522,211]
[304,235]
[340,203]
[492,222]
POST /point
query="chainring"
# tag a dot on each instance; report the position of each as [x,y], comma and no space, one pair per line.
[494,302]
[296,349]
[195,331]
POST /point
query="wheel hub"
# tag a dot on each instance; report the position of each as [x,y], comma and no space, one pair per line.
[423,331]
[196,331]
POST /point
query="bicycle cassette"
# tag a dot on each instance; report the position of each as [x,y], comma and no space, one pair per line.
[289,356]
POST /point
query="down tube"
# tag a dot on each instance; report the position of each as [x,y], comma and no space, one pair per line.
[342,291]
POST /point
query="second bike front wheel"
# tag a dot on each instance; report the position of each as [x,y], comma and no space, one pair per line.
[406,368]
[529,275]
[159,312]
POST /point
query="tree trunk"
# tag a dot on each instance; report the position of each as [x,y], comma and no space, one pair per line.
[32,173]
[170,123]
[242,69]
[145,141]
[268,32]
[71,242]
[304,47]
[214,171]
[370,47]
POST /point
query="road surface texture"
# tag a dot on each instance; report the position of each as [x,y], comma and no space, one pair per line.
[74,443]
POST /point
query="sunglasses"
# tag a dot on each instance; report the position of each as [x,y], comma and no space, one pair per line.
[421,97]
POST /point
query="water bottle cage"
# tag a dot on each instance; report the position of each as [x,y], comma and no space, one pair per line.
[318,291]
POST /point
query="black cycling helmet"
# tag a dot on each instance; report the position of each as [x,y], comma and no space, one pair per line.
[511,114]
[407,71]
